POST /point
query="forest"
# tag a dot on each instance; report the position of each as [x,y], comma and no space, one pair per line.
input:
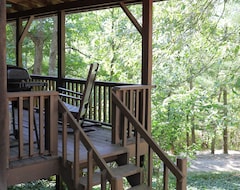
[196,48]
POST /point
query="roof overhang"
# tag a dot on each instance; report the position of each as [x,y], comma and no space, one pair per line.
[25,8]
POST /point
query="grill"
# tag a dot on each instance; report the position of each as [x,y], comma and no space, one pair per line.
[18,79]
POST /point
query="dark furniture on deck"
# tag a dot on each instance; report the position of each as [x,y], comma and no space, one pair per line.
[18,79]
[79,102]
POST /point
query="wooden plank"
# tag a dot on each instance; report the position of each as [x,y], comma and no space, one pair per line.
[3,98]
[33,169]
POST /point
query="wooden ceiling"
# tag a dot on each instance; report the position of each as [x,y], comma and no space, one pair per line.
[25,8]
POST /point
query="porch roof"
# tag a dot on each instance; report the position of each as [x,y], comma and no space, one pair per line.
[25,8]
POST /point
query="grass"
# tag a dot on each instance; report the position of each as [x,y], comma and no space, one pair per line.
[213,181]
[195,181]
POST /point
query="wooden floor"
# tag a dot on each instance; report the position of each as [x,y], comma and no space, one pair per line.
[101,139]
[100,136]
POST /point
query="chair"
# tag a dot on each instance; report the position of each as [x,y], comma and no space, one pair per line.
[79,112]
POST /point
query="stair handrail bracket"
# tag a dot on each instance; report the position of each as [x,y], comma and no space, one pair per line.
[124,112]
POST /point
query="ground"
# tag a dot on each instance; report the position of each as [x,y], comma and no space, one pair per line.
[207,162]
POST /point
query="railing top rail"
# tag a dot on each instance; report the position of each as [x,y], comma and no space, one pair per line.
[104,83]
[135,86]
[35,76]
[31,93]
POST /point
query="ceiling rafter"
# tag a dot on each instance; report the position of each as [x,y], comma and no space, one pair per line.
[25,8]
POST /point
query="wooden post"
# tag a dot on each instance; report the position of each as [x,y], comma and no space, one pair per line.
[19,29]
[147,42]
[4,135]
[182,165]
[117,183]
[61,48]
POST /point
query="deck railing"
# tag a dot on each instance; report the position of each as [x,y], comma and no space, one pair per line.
[35,131]
[100,107]
[129,105]
[136,98]
[93,157]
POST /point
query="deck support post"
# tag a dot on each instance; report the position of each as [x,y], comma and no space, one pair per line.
[182,165]
[4,135]
[117,183]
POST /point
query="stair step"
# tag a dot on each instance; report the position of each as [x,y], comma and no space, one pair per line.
[96,179]
[140,187]
[123,171]
[126,170]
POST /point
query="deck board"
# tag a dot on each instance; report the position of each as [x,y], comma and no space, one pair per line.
[100,137]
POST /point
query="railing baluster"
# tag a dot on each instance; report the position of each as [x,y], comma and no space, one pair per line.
[165,177]
[90,169]
[76,158]
[64,137]
[20,127]
[41,125]
[30,124]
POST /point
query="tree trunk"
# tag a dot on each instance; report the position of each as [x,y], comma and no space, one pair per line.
[53,50]
[213,143]
[213,140]
[38,40]
[192,119]
[225,130]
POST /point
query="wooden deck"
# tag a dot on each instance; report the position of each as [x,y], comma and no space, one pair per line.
[101,139]
[100,136]
[64,149]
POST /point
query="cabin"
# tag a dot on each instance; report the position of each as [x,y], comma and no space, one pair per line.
[49,141]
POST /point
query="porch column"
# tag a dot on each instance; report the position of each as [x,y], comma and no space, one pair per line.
[147,42]
[61,47]
[147,55]
[4,134]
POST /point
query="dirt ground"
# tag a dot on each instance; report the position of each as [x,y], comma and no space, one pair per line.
[207,162]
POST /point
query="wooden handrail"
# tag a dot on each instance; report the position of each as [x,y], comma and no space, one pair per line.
[80,136]
[147,137]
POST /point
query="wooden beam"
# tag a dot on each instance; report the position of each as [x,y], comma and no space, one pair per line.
[147,56]
[131,17]
[77,6]
[61,47]
[25,30]
[19,29]
[147,43]
[4,134]
[20,35]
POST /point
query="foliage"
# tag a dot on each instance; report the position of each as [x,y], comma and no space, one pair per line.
[36,185]
[196,55]
[195,181]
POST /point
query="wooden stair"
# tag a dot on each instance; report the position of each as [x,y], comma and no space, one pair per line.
[128,170]
[119,165]
[140,187]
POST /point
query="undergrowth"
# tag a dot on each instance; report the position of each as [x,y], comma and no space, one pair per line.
[195,181]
